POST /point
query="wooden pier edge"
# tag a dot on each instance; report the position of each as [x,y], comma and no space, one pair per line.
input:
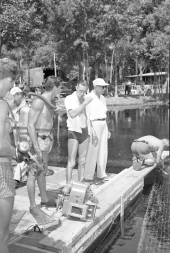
[81,235]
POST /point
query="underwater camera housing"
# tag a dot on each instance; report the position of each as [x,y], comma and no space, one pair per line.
[80,203]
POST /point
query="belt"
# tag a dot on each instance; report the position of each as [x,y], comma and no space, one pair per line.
[44,137]
[99,119]
[5,159]
[141,141]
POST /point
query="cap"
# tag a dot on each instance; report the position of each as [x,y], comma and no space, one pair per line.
[15,90]
[99,82]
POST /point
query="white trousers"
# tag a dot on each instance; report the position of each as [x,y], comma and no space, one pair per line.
[19,171]
[97,155]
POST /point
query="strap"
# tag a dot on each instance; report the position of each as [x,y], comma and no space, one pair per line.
[141,141]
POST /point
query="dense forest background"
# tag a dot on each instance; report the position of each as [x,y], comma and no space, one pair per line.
[89,38]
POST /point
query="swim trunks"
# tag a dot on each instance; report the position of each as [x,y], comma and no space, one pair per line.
[45,142]
[7,186]
[80,137]
[140,149]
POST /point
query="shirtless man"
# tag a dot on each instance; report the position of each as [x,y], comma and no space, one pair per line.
[78,132]
[40,125]
[8,73]
[147,150]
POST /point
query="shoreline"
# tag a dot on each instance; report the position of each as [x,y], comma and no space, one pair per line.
[125,102]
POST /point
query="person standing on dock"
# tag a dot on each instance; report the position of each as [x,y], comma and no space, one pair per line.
[40,130]
[97,113]
[78,134]
[148,150]
[19,101]
[8,74]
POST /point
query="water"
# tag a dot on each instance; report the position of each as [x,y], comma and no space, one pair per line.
[145,229]
[125,126]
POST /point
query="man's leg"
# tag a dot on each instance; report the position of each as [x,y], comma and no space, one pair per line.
[72,152]
[41,217]
[31,189]
[83,148]
[41,180]
[91,158]
[102,151]
[6,207]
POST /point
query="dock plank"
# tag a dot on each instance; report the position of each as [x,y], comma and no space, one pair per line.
[105,206]
[74,236]
[124,186]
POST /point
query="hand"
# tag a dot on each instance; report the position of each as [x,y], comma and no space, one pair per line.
[87,99]
[94,140]
[39,161]
[109,134]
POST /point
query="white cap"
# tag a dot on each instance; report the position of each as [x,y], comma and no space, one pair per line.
[15,90]
[99,82]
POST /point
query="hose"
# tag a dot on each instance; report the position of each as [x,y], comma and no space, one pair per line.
[42,98]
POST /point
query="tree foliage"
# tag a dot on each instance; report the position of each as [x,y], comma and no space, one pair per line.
[107,38]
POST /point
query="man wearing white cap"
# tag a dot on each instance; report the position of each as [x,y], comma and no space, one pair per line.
[96,114]
[19,102]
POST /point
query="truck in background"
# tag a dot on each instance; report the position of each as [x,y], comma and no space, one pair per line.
[36,77]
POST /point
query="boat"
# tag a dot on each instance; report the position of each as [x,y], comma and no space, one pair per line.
[70,234]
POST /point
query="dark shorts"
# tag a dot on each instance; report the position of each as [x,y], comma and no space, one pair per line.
[7,187]
[80,137]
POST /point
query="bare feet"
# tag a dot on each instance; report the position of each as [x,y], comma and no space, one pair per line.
[41,217]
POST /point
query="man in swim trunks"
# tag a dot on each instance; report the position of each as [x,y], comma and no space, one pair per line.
[8,73]
[40,126]
[147,150]
[78,136]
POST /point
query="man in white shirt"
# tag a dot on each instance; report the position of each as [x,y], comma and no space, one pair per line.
[96,114]
[78,132]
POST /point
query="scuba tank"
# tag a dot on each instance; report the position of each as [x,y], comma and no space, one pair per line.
[23,122]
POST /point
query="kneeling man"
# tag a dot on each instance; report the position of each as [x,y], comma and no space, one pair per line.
[148,150]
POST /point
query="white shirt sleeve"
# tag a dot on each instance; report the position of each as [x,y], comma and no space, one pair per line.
[70,103]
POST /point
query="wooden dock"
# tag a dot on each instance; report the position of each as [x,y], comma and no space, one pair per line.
[73,235]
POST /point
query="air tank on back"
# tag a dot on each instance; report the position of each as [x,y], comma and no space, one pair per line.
[23,122]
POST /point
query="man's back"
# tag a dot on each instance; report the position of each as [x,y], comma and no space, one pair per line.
[154,143]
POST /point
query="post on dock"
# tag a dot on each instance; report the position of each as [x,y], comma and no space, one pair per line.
[122,210]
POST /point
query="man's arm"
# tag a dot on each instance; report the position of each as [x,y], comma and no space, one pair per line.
[34,113]
[74,112]
[6,150]
[159,154]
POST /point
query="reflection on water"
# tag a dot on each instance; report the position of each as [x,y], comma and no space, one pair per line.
[125,126]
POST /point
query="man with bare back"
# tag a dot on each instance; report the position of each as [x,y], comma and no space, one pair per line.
[40,129]
[8,73]
[147,150]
